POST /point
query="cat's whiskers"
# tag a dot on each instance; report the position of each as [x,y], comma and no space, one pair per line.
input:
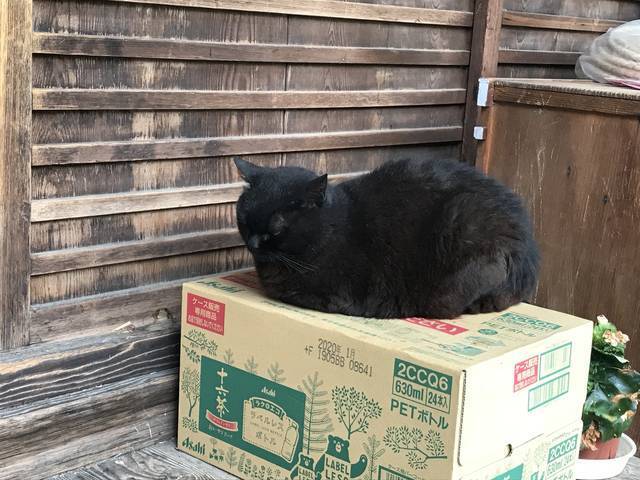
[296,265]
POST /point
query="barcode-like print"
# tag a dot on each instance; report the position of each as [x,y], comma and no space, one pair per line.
[545,393]
[555,360]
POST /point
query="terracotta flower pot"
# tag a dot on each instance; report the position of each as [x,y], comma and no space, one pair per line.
[604,450]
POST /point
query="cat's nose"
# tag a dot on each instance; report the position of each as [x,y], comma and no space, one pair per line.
[254,242]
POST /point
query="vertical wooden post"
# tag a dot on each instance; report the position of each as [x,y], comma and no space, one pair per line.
[485,43]
[15,171]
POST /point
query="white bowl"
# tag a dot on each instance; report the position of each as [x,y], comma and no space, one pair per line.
[601,469]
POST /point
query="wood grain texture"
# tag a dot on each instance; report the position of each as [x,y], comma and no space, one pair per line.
[107,278]
[583,191]
[552,26]
[330,9]
[551,98]
[129,99]
[605,9]
[144,307]
[45,371]
[537,57]
[483,63]
[110,254]
[84,232]
[109,204]
[158,462]
[97,152]
[90,45]
[143,429]
[15,168]
[24,429]
[516,38]
[557,22]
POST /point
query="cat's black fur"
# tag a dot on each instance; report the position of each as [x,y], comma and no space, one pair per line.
[413,238]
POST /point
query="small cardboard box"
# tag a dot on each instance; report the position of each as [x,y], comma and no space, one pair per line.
[270,392]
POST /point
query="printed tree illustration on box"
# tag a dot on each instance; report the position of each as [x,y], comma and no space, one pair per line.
[418,447]
[191,387]
[354,409]
[276,373]
[251,366]
[194,341]
[374,452]
[317,423]
[228,357]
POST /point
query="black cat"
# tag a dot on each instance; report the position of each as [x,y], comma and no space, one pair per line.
[413,238]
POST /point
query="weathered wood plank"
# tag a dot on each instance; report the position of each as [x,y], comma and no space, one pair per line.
[144,307]
[108,204]
[85,232]
[483,63]
[59,286]
[557,22]
[45,371]
[579,87]
[144,428]
[330,9]
[537,57]
[566,100]
[91,45]
[52,422]
[158,462]
[98,152]
[132,99]
[15,171]
[109,254]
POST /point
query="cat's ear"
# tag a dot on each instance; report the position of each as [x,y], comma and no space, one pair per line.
[248,171]
[316,190]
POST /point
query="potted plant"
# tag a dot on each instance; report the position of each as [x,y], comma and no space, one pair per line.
[613,393]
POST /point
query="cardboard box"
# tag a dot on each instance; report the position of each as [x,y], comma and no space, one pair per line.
[270,391]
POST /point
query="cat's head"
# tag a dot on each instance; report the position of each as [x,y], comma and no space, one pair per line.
[277,212]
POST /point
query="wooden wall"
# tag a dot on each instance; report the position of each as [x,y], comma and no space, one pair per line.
[139,106]
[543,38]
[534,39]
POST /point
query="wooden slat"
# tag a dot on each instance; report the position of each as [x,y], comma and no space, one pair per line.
[107,204]
[141,429]
[145,307]
[15,171]
[88,257]
[484,63]
[158,462]
[45,371]
[68,417]
[132,99]
[88,45]
[330,9]
[557,22]
[566,101]
[99,152]
[146,200]
[538,57]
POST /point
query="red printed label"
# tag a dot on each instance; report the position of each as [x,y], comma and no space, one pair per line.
[205,313]
[439,325]
[525,373]
[220,422]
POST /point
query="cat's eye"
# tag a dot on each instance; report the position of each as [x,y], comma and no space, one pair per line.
[277,225]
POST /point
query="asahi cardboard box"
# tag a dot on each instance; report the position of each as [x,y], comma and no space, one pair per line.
[272,392]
